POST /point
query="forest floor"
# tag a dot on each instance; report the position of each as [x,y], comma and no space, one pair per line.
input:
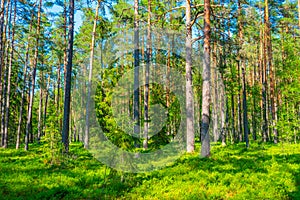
[264,171]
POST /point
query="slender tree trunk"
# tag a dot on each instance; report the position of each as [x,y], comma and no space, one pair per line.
[87,124]
[36,53]
[5,59]
[254,111]
[2,8]
[240,62]
[245,117]
[240,124]
[261,78]
[23,95]
[232,97]
[205,140]
[46,105]
[40,109]
[65,41]
[67,99]
[136,94]
[147,71]
[189,87]
[168,67]
[57,98]
[241,65]
[214,93]
[264,87]
[272,72]
[7,109]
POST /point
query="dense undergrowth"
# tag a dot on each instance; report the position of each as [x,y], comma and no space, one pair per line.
[264,171]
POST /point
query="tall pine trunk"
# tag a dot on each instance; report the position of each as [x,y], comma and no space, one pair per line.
[2,8]
[205,119]
[245,117]
[272,72]
[36,53]
[190,138]
[40,111]
[214,92]
[241,65]
[87,126]
[147,71]
[23,95]
[11,57]
[5,60]
[67,99]
[46,105]
[265,83]
[136,94]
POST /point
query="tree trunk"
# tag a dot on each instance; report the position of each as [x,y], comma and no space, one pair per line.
[189,87]
[242,65]
[272,72]
[23,96]
[254,111]
[9,77]
[136,94]
[46,105]
[40,109]
[65,41]
[214,93]
[2,8]
[57,98]
[29,115]
[67,99]
[147,71]
[87,124]
[4,65]
[265,86]
[240,62]
[245,117]
[205,140]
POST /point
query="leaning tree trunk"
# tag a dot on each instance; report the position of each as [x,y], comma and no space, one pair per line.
[87,126]
[67,99]
[205,140]
[190,135]
[36,53]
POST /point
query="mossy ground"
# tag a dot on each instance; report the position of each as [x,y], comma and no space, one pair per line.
[264,171]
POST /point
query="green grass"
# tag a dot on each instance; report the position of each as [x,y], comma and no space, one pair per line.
[261,172]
